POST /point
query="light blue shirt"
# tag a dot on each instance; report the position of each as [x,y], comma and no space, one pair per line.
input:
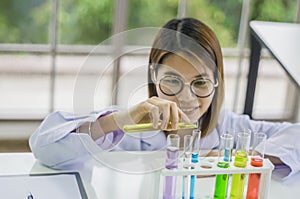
[55,146]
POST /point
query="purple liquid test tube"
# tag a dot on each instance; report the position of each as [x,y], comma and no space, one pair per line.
[173,141]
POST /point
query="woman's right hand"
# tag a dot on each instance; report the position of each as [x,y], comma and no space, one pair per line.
[153,110]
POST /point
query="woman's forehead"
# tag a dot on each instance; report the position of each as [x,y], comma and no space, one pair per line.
[187,66]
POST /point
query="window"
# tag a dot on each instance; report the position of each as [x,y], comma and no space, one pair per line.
[27,61]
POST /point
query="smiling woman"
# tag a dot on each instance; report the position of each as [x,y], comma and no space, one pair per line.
[193,50]
[185,83]
[170,85]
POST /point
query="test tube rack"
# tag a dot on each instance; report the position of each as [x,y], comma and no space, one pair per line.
[206,170]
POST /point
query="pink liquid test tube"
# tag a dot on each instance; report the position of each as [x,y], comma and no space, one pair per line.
[173,141]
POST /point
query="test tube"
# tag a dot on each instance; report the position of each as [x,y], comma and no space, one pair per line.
[195,153]
[258,147]
[225,149]
[173,141]
[186,182]
[259,140]
[231,132]
[240,160]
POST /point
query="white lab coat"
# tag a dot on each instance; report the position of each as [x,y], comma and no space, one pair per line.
[54,145]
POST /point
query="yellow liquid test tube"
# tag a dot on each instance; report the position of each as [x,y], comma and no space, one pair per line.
[240,160]
[133,128]
[238,180]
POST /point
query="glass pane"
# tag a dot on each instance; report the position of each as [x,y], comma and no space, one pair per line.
[85,21]
[221,16]
[83,83]
[133,82]
[149,13]
[24,85]
[274,10]
[24,21]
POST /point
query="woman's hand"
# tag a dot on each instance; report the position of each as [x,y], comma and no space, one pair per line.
[152,110]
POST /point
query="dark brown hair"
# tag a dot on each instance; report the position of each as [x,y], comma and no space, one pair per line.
[192,36]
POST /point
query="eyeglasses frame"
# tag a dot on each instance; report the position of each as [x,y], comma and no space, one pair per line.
[215,85]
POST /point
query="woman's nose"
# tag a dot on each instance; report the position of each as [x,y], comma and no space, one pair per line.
[187,92]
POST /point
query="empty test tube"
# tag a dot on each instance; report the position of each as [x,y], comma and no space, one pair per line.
[259,140]
[186,181]
[240,160]
[173,141]
[225,150]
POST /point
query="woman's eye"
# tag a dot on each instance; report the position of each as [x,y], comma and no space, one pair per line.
[174,82]
[200,83]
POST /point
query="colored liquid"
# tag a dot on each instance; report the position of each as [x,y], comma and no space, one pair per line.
[238,180]
[170,187]
[170,181]
[193,178]
[253,186]
[192,192]
[237,186]
[221,186]
[227,155]
[172,158]
[241,158]
[221,182]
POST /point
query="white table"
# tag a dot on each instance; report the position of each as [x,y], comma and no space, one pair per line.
[283,42]
[109,182]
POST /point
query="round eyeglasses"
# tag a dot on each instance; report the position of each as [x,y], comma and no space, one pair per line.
[171,85]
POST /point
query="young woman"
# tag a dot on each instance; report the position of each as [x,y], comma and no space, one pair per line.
[185,75]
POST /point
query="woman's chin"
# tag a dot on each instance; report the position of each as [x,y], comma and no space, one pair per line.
[194,119]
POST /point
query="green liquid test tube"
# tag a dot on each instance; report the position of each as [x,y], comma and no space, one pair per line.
[240,160]
[225,148]
[221,183]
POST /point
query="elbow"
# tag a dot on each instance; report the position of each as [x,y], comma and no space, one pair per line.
[45,154]
[66,153]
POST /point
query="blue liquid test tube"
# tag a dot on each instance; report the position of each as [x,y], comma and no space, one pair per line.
[240,160]
[195,152]
[173,141]
[225,149]
[193,177]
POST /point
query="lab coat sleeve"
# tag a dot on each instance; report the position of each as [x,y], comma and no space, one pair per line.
[282,138]
[56,146]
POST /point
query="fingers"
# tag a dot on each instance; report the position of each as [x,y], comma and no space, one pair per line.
[155,110]
[174,115]
[184,117]
[154,114]
[169,110]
